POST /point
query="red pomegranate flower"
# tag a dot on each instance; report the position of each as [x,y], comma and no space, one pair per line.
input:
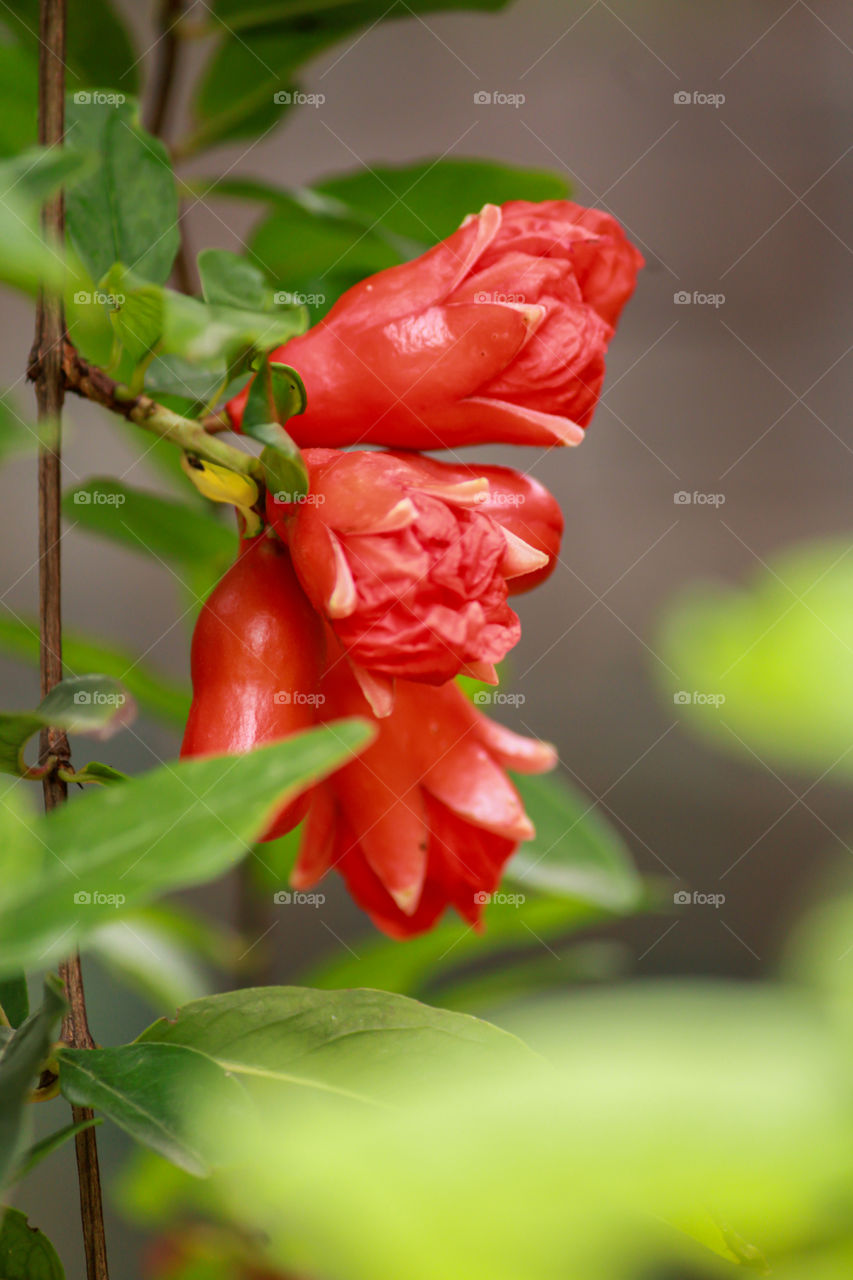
[426,817]
[411,560]
[257,658]
[497,334]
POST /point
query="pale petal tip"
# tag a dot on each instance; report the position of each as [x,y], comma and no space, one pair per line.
[407,899]
[520,558]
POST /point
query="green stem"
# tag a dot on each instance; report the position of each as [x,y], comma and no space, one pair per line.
[93,383]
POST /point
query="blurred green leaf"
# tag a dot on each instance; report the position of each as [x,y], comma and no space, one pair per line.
[137,316]
[41,1150]
[653,1105]
[275,395]
[14,998]
[575,852]
[26,1253]
[168,530]
[90,704]
[263,48]
[164,954]
[230,280]
[153,692]
[98,51]
[17,436]
[426,202]
[766,671]
[18,99]
[116,848]
[418,965]
[26,262]
[127,210]
[21,1059]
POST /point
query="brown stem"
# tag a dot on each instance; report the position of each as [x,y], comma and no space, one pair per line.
[50,332]
[164,67]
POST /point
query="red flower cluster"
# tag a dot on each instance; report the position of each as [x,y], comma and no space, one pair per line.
[393,575]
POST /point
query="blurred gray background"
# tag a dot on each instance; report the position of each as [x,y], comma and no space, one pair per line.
[744,199]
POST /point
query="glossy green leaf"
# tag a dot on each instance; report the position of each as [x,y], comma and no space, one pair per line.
[116,848]
[166,529]
[765,672]
[21,1059]
[154,693]
[127,210]
[90,704]
[25,1252]
[268,1042]
[99,52]
[575,852]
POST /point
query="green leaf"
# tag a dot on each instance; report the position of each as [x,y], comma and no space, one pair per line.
[102,774]
[26,1253]
[137,316]
[230,280]
[26,262]
[268,1042]
[263,48]
[152,1091]
[127,210]
[419,966]
[160,953]
[217,335]
[20,1062]
[765,671]
[276,395]
[98,50]
[166,529]
[19,437]
[91,704]
[116,848]
[154,693]
[14,998]
[427,201]
[46,1147]
[18,99]
[575,851]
